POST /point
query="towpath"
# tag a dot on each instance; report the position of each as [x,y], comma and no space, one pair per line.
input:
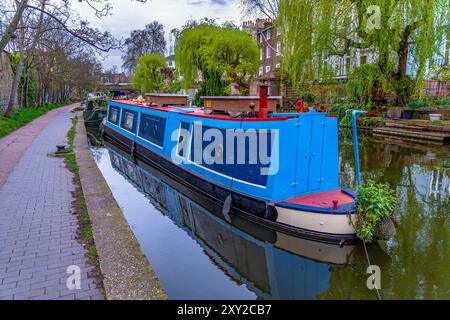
[37,225]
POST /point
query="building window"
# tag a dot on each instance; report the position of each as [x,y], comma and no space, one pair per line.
[261,54]
[260,71]
[268,34]
[267,52]
[278,66]
[267,69]
[278,47]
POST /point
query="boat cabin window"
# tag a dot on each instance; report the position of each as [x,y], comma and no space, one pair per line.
[113,115]
[129,120]
[250,156]
[152,128]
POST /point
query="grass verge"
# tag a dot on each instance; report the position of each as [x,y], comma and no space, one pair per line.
[21,117]
[85,234]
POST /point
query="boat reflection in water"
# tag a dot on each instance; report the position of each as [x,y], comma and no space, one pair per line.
[272,264]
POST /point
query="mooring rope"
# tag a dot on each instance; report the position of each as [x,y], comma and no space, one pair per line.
[367,256]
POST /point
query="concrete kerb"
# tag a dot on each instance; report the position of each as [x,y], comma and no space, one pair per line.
[127,274]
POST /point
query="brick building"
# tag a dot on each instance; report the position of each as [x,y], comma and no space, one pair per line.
[267,36]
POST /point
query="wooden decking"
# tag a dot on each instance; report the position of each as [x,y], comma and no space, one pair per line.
[415,130]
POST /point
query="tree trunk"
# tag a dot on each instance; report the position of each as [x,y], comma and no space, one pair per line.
[447,47]
[15,86]
[13,25]
[27,79]
[402,61]
[402,65]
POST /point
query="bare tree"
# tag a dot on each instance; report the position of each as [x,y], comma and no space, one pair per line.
[141,42]
[25,50]
[63,59]
[260,8]
[11,28]
[92,36]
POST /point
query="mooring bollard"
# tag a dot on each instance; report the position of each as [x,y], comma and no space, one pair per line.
[60,149]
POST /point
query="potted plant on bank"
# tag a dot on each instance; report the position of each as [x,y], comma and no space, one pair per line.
[375,204]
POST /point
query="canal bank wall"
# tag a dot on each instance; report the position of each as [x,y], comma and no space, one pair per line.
[413,131]
[127,274]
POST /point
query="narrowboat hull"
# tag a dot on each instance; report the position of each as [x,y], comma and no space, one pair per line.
[326,226]
[93,118]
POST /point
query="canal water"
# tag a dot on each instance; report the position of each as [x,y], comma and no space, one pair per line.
[197,254]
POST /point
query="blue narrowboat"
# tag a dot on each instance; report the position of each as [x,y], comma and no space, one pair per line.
[272,260]
[278,169]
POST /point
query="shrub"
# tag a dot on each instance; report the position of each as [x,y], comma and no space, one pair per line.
[441,102]
[374,201]
[439,122]
[367,84]
[419,103]
[404,89]
[343,112]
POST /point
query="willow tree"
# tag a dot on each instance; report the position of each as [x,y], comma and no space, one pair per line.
[148,75]
[395,32]
[221,55]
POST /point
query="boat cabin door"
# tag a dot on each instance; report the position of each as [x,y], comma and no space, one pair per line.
[309,152]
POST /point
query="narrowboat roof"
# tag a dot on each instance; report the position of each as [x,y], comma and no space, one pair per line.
[199,112]
[166,95]
[238,97]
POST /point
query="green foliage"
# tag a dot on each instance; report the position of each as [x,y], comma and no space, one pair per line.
[374,201]
[219,54]
[439,122]
[404,89]
[84,219]
[441,102]
[369,122]
[173,86]
[366,82]
[212,85]
[23,116]
[441,73]
[343,111]
[28,85]
[418,103]
[313,31]
[148,76]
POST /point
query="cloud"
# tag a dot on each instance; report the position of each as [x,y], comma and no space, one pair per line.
[130,15]
[203,2]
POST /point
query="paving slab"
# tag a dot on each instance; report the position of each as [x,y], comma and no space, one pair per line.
[37,223]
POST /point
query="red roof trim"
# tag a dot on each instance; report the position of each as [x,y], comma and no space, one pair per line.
[228,118]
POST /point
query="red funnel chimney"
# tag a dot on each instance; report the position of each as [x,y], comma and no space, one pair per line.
[263,100]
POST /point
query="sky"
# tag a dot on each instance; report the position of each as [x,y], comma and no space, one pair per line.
[128,15]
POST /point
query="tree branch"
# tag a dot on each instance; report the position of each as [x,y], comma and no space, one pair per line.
[73,33]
